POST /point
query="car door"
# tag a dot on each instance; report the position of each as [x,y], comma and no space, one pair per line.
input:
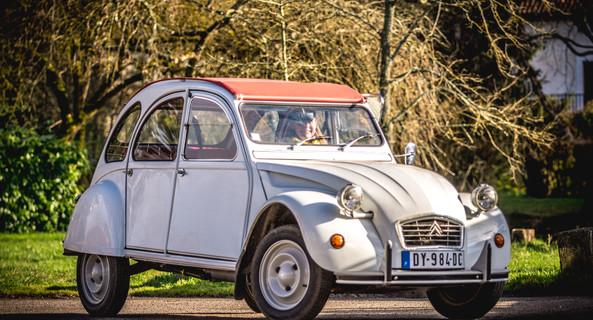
[213,186]
[151,176]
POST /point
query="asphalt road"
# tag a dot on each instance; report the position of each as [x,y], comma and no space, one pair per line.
[338,307]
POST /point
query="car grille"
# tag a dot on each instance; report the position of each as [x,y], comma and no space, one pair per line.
[431,232]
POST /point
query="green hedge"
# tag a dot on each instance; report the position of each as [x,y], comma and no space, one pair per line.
[38,181]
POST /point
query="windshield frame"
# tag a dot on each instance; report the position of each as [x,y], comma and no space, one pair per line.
[333,125]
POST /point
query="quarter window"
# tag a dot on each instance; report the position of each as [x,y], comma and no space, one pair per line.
[159,135]
[209,133]
[117,147]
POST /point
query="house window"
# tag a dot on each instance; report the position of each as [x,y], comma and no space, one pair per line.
[588,78]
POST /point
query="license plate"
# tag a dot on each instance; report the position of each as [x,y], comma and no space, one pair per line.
[432,260]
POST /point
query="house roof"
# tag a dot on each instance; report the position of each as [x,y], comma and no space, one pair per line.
[549,8]
[276,90]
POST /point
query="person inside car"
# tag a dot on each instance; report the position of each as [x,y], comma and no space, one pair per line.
[301,126]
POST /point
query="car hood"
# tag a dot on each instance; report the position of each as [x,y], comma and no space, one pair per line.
[392,191]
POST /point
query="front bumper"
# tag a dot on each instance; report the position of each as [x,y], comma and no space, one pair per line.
[420,278]
[480,272]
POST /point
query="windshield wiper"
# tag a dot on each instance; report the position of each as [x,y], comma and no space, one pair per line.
[364,137]
[300,143]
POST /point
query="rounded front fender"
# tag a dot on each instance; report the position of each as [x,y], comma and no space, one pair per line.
[97,224]
[481,230]
[319,217]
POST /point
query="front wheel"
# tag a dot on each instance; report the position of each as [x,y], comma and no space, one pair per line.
[287,284]
[466,302]
[249,298]
[103,283]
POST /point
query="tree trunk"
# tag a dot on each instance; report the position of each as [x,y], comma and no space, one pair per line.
[385,66]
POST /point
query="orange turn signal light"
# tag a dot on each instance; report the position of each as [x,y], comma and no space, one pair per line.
[337,241]
[499,240]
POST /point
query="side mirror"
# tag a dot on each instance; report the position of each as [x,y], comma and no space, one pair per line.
[410,153]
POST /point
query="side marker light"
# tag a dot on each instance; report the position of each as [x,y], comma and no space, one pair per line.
[337,241]
[499,240]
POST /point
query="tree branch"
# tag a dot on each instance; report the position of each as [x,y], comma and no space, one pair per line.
[101,97]
[355,16]
[571,44]
[199,45]
[411,29]
[58,90]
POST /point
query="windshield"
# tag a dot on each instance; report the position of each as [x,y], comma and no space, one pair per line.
[310,125]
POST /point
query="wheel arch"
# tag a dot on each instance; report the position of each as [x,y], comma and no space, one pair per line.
[98,221]
[318,217]
[271,216]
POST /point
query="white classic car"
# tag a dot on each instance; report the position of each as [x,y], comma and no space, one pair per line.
[287,189]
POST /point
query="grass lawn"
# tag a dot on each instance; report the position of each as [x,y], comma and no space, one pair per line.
[33,264]
[510,203]
[547,216]
[535,267]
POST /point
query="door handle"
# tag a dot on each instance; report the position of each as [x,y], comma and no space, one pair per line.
[129,172]
[181,172]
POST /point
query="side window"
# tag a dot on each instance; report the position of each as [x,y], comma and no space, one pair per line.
[117,147]
[209,134]
[159,135]
[355,123]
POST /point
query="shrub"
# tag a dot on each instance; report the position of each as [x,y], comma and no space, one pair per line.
[38,180]
[564,170]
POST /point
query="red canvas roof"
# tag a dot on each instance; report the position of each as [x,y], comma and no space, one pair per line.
[276,90]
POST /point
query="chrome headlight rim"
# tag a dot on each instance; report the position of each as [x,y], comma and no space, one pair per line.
[484,197]
[350,197]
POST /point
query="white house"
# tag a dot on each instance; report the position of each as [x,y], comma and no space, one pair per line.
[565,59]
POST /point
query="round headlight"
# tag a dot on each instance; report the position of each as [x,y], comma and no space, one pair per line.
[350,197]
[484,197]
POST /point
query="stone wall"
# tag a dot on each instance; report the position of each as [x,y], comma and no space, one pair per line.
[575,248]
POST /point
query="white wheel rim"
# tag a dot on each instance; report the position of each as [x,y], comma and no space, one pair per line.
[284,275]
[96,277]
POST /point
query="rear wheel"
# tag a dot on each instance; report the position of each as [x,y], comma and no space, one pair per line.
[466,302]
[287,284]
[103,283]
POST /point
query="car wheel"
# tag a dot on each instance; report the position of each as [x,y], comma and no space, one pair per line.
[287,284]
[466,302]
[249,297]
[103,283]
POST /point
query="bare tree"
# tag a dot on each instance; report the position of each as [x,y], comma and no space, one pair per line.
[464,106]
[68,65]
[437,96]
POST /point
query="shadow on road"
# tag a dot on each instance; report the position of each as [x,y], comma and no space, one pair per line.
[372,308]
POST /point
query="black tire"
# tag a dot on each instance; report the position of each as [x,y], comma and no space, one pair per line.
[249,298]
[287,284]
[466,302]
[103,283]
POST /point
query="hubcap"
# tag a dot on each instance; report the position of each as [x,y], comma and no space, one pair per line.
[284,275]
[96,277]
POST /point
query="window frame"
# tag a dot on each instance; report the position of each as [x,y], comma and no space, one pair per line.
[147,119]
[136,107]
[231,133]
[331,120]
